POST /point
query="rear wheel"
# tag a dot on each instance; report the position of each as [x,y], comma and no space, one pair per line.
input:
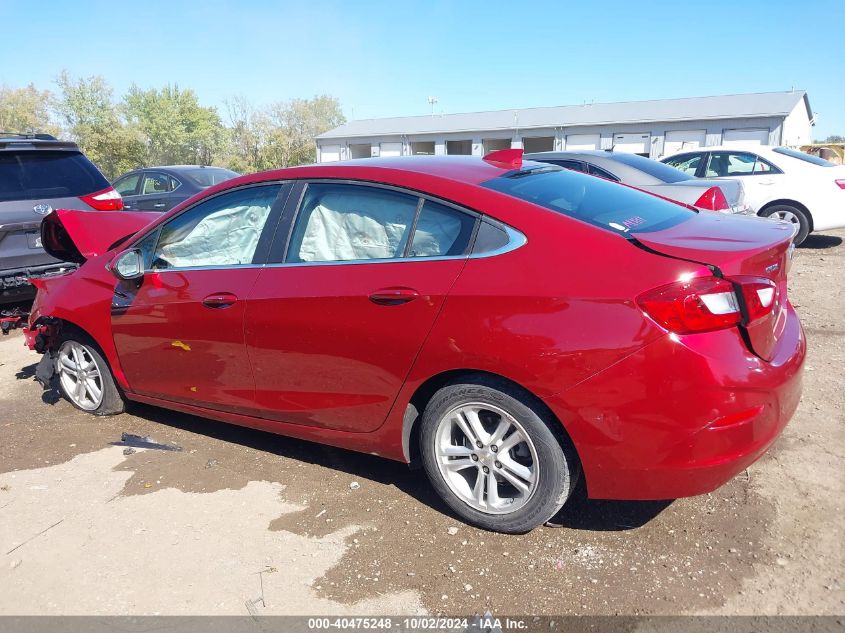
[85,379]
[493,456]
[791,214]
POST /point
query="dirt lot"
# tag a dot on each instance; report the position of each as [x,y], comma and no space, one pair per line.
[242,521]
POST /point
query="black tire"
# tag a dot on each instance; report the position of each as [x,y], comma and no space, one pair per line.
[112,401]
[799,214]
[557,467]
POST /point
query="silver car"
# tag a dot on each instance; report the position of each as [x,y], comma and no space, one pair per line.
[38,174]
[652,176]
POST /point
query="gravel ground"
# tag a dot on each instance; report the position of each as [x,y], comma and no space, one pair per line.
[769,542]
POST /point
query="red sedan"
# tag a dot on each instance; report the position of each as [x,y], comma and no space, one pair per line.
[511,326]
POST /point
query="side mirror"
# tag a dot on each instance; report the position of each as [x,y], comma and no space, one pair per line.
[128,265]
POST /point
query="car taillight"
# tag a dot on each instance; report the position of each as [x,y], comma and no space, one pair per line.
[840,183]
[704,304]
[713,200]
[759,295]
[105,200]
[701,304]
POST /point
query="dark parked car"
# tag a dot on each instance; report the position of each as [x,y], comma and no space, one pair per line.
[652,176]
[38,174]
[162,188]
[510,325]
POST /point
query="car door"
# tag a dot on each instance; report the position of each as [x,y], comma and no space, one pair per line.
[762,181]
[128,187]
[335,323]
[154,194]
[179,333]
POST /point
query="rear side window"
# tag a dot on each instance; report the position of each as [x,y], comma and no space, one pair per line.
[605,204]
[738,164]
[339,222]
[441,231]
[601,173]
[29,175]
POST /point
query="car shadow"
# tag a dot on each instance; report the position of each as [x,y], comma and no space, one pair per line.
[820,242]
[579,513]
[599,515]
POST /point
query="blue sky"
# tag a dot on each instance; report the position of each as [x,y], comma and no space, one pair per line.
[386,58]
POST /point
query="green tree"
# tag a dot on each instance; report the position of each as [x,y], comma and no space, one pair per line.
[178,129]
[301,121]
[26,110]
[279,135]
[93,120]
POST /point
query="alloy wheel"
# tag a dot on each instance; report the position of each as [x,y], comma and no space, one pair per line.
[784,215]
[486,458]
[79,376]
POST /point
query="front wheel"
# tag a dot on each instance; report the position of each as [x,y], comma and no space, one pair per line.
[494,457]
[84,376]
[788,213]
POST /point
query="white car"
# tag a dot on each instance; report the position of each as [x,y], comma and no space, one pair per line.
[779,182]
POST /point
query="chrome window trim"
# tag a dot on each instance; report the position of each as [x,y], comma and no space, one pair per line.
[516,240]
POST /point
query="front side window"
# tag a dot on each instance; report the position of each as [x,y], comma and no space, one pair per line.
[222,231]
[687,163]
[341,222]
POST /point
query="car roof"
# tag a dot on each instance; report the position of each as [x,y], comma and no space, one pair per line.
[464,169]
[32,142]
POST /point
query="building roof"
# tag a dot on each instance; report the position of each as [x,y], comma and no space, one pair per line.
[761,104]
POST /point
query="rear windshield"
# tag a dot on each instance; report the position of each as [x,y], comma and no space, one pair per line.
[207,176]
[653,168]
[605,204]
[29,175]
[794,153]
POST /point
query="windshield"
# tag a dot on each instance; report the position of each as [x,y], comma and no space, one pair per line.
[207,176]
[605,204]
[655,169]
[794,153]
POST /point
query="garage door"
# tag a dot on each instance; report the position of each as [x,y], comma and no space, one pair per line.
[747,136]
[680,140]
[329,153]
[632,143]
[391,149]
[583,141]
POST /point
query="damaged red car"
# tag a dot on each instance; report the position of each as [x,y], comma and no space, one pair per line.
[511,326]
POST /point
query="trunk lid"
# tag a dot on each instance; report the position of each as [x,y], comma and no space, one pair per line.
[745,250]
[76,236]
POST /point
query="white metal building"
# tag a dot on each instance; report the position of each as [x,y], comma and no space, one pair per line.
[651,128]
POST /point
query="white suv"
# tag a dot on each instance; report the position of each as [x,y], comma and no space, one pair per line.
[779,182]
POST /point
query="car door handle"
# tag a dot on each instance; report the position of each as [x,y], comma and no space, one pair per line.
[219,300]
[393,296]
[158,205]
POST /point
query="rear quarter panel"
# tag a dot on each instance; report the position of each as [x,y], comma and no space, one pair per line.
[550,314]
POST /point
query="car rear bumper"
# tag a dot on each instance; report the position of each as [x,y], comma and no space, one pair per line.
[15,284]
[682,416]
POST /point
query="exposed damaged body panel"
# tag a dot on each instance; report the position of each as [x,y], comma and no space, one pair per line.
[76,236]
